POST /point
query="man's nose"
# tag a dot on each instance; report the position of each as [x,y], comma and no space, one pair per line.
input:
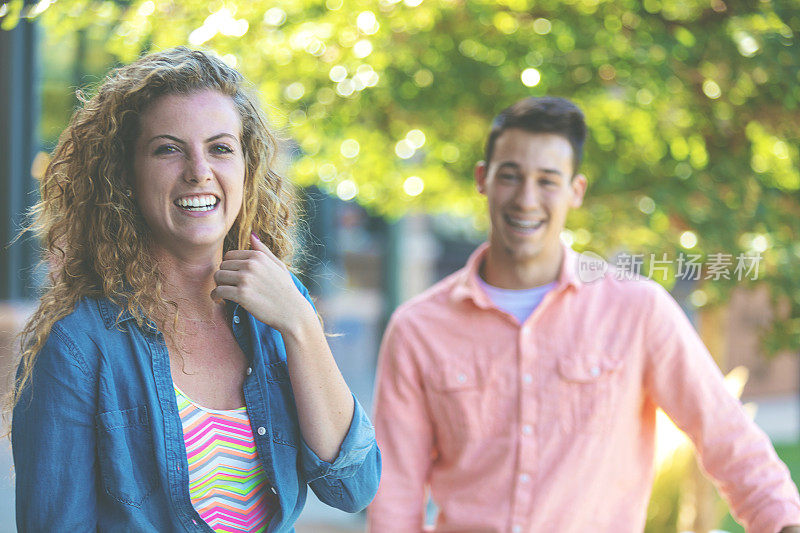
[198,168]
[528,194]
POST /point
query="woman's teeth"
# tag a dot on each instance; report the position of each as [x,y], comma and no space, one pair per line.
[197,203]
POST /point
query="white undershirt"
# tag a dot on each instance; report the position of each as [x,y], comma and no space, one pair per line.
[518,303]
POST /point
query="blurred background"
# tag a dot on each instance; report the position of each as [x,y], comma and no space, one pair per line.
[383,107]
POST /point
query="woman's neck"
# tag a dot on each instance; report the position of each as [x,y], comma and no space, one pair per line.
[188,281]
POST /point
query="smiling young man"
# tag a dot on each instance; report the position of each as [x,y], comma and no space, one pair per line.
[523,397]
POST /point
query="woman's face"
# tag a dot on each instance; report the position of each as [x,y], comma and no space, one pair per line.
[189,170]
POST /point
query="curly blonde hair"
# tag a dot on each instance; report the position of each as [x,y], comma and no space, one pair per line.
[96,242]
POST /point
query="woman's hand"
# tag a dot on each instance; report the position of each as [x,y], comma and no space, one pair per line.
[261,283]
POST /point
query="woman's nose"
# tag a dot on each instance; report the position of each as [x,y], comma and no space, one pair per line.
[198,169]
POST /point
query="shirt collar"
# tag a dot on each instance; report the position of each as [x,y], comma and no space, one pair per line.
[468,286]
[113,314]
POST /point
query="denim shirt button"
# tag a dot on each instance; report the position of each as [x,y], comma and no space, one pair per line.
[261,430]
[273,490]
[235,319]
[249,370]
[194,521]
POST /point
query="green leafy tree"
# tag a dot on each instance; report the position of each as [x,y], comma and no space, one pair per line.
[692,106]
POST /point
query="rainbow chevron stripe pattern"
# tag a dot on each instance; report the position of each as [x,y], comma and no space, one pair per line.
[227,484]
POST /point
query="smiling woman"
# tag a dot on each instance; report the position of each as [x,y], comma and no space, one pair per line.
[175,375]
[189,170]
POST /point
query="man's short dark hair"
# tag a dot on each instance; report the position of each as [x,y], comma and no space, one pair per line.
[546,114]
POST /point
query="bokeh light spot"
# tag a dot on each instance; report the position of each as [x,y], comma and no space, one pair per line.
[347,190]
[530,77]
[688,239]
[413,185]
[349,148]
[711,89]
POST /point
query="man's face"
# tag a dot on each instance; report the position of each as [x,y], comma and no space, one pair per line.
[530,189]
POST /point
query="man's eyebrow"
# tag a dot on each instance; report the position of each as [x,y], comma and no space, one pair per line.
[515,166]
[181,141]
[551,171]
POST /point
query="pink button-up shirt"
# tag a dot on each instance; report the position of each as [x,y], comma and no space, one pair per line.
[549,425]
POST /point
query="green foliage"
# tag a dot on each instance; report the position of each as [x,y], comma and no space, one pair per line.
[692,105]
[668,485]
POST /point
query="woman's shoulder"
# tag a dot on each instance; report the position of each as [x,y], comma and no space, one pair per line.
[69,349]
[89,315]
[79,334]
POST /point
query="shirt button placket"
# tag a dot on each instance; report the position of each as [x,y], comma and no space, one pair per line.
[523,492]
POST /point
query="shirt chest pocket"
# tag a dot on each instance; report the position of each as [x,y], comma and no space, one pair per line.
[586,390]
[466,402]
[126,455]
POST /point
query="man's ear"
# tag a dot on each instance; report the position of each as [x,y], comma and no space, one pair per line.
[481,170]
[578,186]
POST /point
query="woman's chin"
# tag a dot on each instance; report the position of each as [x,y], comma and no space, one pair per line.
[193,244]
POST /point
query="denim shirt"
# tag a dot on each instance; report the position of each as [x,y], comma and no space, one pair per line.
[98,442]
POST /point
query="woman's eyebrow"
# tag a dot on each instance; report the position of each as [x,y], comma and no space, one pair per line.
[181,141]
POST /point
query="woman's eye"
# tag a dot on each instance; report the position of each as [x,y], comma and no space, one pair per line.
[222,149]
[166,149]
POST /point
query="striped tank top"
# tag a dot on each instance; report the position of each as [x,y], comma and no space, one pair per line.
[227,484]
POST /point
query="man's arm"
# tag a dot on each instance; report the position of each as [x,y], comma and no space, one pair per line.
[684,380]
[405,437]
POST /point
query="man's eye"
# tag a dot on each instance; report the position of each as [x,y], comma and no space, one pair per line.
[507,176]
[166,149]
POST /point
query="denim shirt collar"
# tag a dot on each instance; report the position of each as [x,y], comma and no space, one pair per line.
[114,315]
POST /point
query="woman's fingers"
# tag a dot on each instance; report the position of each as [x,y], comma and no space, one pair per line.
[225,292]
[234,264]
[227,277]
[257,245]
[240,255]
